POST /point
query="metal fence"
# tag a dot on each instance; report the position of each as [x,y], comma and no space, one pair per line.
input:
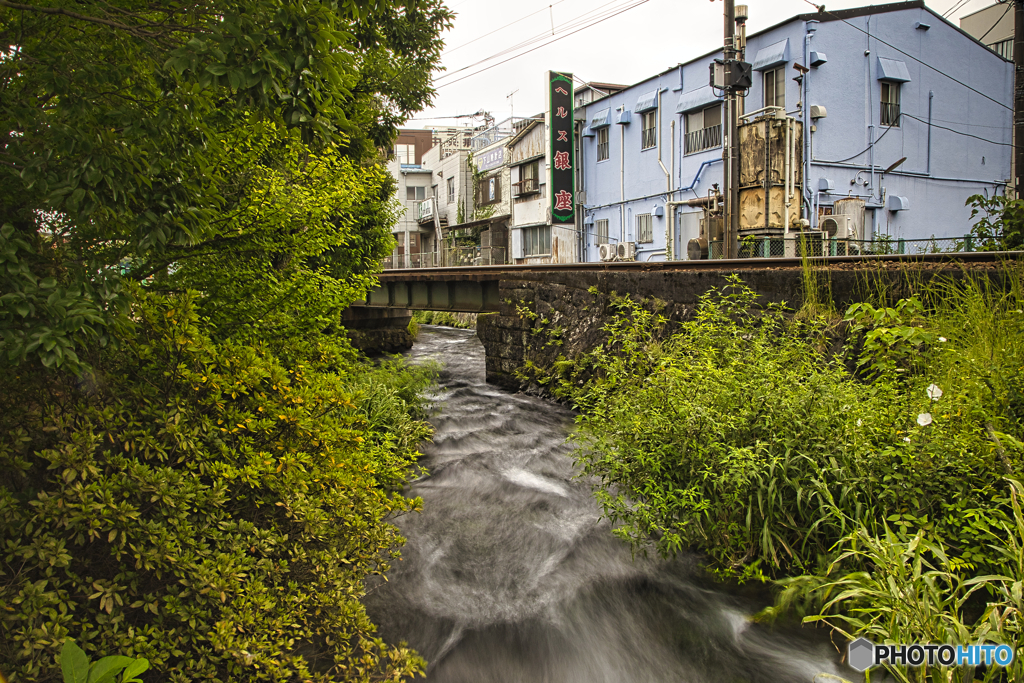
[817,245]
[450,257]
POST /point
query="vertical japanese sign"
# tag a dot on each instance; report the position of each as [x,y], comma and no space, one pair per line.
[562,162]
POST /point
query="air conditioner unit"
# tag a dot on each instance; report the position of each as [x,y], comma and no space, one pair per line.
[626,251]
[606,251]
[837,227]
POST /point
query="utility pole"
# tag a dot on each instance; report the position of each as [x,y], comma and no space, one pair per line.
[731,177]
[1018,96]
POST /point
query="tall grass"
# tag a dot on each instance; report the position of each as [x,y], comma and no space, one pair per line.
[889,489]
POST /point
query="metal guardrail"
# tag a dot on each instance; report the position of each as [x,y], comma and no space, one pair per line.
[815,245]
[455,257]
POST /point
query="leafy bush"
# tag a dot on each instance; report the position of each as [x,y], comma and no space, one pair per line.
[203,505]
[75,666]
[1001,225]
[742,437]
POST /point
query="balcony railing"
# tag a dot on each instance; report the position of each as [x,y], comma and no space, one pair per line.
[525,187]
[703,138]
[426,210]
[890,114]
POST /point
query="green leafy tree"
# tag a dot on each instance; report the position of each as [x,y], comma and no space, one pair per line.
[122,119]
[1001,225]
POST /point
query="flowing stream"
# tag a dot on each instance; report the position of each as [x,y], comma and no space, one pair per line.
[510,575]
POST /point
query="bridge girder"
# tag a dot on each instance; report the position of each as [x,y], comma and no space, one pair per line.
[467,296]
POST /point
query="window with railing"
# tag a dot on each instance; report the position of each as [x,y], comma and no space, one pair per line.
[537,241]
[602,144]
[649,134]
[703,129]
[529,182]
[890,109]
[601,229]
[644,228]
[426,210]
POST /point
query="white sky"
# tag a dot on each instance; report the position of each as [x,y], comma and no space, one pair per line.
[651,37]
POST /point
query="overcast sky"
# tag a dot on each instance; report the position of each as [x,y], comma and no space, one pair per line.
[639,38]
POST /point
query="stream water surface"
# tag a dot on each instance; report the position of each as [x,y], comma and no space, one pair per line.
[510,574]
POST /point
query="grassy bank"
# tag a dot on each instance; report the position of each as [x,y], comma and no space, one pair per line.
[466,321]
[876,483]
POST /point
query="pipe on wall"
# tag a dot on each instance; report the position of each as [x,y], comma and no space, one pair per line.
[809,29]
[622,180]
[668,176]
[928,163]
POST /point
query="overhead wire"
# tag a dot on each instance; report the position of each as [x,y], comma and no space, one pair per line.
[1008,6]
[866,149]
[954,8]
[821,9]
[528,41]
[549,42]
[545,36]
[958,132]
[911,116]
[502,28]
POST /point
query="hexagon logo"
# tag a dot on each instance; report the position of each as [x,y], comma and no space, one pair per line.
[861,654]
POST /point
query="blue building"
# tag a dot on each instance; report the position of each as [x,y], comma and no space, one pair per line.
[902,112]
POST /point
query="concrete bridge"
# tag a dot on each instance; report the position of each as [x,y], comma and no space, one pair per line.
[541,312]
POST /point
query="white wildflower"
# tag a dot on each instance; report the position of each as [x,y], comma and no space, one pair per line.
[934,392]
[860,422]
[906,438]
[942,339]
[924,419]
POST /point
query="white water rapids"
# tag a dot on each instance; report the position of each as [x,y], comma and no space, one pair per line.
[510,575]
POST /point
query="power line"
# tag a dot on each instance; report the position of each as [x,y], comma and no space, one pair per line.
[954,8]
[843,161]
[572,23]
[1008,6]
[554,40]
[822,10]
[959,132]
[449,51]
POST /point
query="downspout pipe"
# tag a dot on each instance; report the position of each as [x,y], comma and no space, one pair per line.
[622,180]
[928,166]
[668,174]
[809,28]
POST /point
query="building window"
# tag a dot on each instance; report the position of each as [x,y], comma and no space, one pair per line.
[602,144]
[451,190]
[412,193]
[650,132]
[1004,48]
[488,191]
[529,180]
[644,228]
[890,110]
[406,154]
[775,88]
[601,227]
[537,241]
[703,129]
